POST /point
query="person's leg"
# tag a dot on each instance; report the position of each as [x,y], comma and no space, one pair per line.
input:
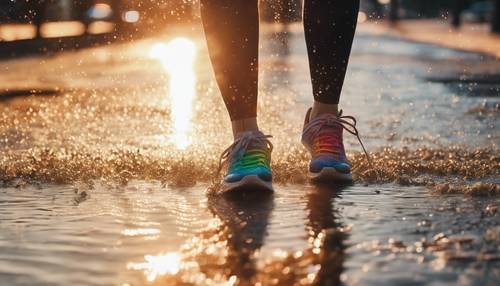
[329,29]
[232,33]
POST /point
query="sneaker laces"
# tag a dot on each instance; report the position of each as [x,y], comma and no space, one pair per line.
[347,122]
[240,146]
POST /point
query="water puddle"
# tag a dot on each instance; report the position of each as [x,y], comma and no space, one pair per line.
[304,235]
[105,184]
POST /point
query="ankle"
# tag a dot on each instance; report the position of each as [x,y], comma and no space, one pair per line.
[319,108]
[244,125]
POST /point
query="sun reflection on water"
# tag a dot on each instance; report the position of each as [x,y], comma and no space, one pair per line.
[177,58]
[140,231]
[158,265]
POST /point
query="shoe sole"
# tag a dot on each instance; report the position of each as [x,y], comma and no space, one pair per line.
[250,183]
[329,174]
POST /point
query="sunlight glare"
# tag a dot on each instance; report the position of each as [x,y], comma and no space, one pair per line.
[177,58]
[158,265]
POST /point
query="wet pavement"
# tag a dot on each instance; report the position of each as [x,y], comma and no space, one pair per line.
[107,154]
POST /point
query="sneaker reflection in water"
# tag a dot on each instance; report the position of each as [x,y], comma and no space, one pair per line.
[245,219]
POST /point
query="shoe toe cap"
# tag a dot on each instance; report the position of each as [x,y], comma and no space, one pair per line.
[233,177]
[263,173]
[318,164]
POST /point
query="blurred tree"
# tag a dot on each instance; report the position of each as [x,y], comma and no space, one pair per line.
[394,11]
[495,22]
[80,9]
[458,7]
[117,7]
[37,10]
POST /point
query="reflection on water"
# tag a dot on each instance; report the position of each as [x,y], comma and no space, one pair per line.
[141,232]
[158,265]
[177,58]
[326,233]
[246,219]
[228,251]
[302,235]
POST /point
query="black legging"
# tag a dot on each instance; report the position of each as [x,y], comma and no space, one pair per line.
[232,32]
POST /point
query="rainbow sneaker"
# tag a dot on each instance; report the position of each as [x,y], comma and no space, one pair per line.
[322,136]
[248,160]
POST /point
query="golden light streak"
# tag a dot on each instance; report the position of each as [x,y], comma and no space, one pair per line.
[177,58]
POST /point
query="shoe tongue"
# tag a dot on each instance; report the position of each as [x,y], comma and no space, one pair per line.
[253,141]
[331,129]
[335,127]
[257,144]
[331,123]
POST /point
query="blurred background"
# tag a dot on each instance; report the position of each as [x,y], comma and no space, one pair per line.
[37,19]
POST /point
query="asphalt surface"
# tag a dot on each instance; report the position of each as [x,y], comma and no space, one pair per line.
[107,154]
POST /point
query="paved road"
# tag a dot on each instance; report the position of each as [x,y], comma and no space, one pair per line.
[105,165]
